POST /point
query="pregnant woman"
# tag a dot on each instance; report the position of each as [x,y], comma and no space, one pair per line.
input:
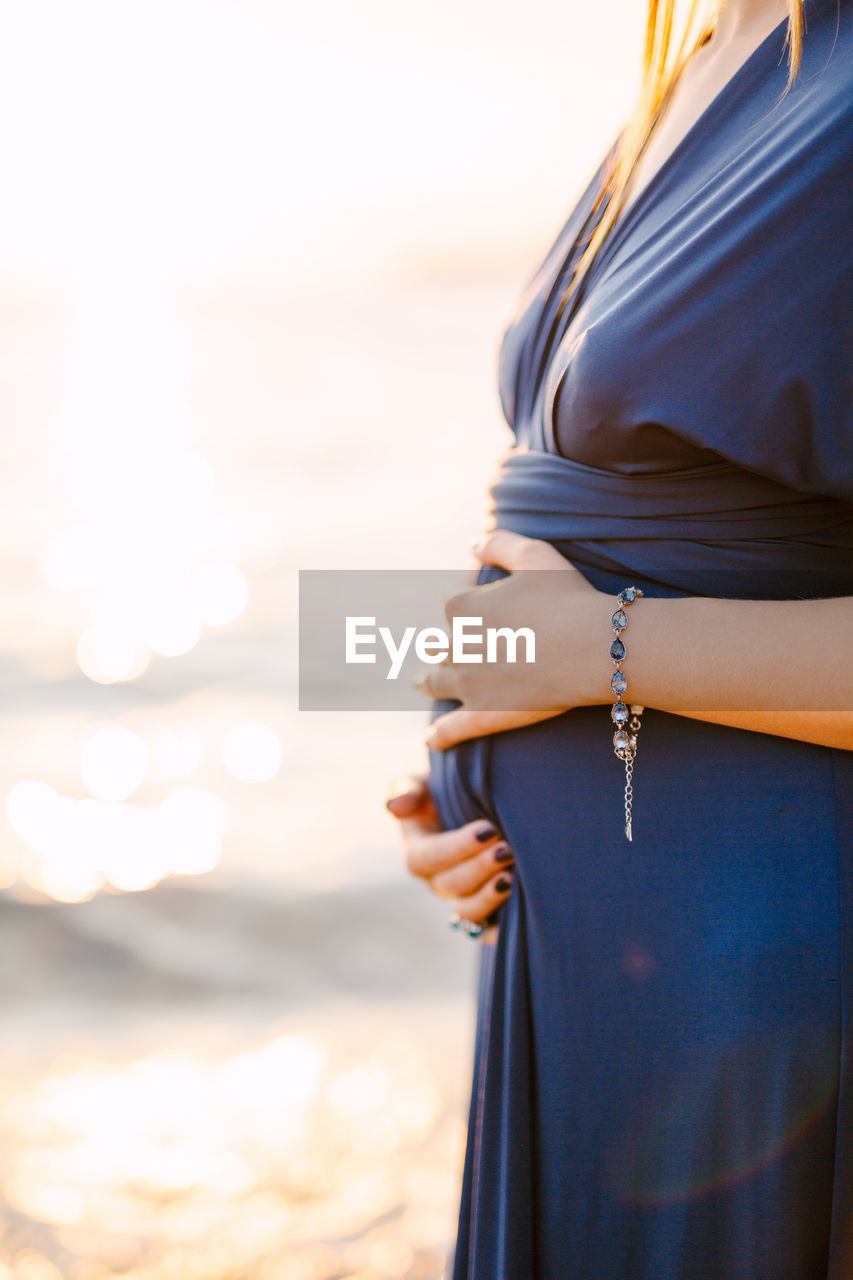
[663,1083]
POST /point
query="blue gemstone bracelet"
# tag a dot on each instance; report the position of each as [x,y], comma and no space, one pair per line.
[625,717]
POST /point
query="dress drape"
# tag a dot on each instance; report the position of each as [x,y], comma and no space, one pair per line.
[663,1077]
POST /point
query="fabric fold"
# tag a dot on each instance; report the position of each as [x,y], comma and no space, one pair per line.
[715,529]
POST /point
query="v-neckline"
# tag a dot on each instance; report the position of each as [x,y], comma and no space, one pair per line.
[701,120]
[558,326]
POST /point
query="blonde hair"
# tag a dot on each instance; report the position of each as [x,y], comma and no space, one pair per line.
[664,59]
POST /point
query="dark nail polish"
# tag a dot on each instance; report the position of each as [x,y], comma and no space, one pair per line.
[503,884]
[486,833]
[503,854]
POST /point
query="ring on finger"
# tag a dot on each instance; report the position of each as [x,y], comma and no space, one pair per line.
[455,921]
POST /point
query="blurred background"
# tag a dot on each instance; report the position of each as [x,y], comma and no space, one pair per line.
[255,262]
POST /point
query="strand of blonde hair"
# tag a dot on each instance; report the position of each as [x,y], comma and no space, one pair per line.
[664,60]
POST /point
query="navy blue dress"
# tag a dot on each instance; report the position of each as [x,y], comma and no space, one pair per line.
[663,1085]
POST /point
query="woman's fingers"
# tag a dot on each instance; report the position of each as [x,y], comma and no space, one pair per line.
[408,796]
[478,906]
[472,865]
[430,852]
[457,726]
[474,873]
[512,551]
[441,681]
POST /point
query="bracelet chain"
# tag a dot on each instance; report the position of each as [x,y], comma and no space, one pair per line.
[625,737]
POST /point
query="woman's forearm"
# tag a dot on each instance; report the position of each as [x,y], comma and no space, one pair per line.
[780,667]
[774,666]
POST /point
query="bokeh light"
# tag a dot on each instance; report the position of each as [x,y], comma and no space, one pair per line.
[191,823]
[85,844]
[176,753]
[113,763]
[219,592]
[251,752]
[198,1165]
[108,653]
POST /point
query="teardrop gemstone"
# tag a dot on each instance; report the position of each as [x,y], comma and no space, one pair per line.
[621,740]
[619,714]
[628,596]
[617,650]
[619,683]
[619,620]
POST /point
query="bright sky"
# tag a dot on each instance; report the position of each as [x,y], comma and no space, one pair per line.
[205,136]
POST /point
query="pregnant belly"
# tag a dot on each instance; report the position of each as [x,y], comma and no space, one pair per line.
[734,860]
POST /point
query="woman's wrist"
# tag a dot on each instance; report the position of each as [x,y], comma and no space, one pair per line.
[706,656]
[590,678]
[593,672]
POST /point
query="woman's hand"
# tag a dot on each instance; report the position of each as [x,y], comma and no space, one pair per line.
[470,867]
[695,656]
[570,621]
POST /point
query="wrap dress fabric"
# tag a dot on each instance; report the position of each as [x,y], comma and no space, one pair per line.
[663,1075]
